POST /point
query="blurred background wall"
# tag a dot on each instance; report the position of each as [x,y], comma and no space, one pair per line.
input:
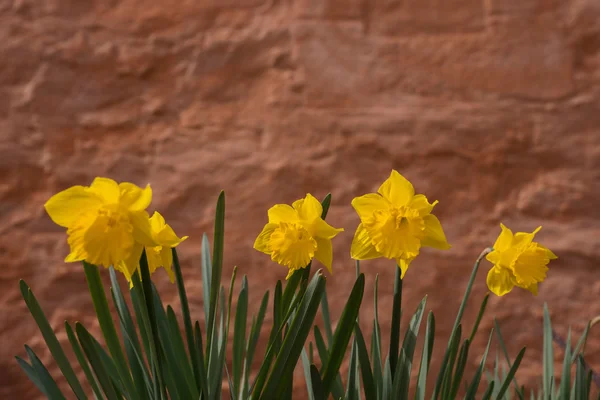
[491,107]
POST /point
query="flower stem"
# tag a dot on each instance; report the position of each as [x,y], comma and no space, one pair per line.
[396,315]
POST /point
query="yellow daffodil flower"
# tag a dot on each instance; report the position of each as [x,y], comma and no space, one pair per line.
[518,261]
[159,255]
[395,223]
[103,221]
[297,234]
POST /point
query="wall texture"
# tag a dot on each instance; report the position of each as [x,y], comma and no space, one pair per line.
[490,106]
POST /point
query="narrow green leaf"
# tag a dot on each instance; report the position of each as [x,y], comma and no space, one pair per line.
[198,348]
[217,268]
[511,373]
[295,338]
[179,351]
[479,317]
[460,369]
[396,316]
[376,355]
[31,374]
[82,361]
[317,384]
[548,356]
[326,318]
[141,377]
[387,381]
[343,332]
[51,341]
[187,320]
[253,341]
[351,392]
[108,327]
[519,390]
[206,277]
[488,393]
[472,390]
[443,382]
[408,345]
[45,379]
[564,390]
[307,378]
[95,361]
[365,366]
[425,358]
[239,336]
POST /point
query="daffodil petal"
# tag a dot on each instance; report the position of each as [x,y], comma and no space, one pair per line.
[104,244]
[420,203]
[322,229]
[66,206]
[166,256]
[142,231]
[524,239]
[362,246]
[308,208]
[397,189]
[135,198]
[262,241]
[282,213]
[504,240]
[366,205]
[107,189]
[434,234]
[533,288]
[499,281]
[324,253]
[403,264]
[162,233]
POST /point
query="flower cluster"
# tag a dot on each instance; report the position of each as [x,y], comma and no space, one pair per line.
[107,224]
[394,223]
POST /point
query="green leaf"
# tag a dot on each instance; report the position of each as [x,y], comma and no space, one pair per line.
[387,381]
[511,374]
[45,379]
[239,337]
[141,377]
[95,361]
[472,390]
[479,317]
[425,358]
[217,268]
[343,332]
[518,390]
[200,355]
[351,384]
[317,384]
[326,318]
[206,277]
[460,368]
[295,338]
[408,345]
[488,393]
[564,390]
[376,355]
[253,340]
[187,320]
[108,328]
[51,341]
[365,366]
[396,316]
[548,356]
[31,374]
[82,361]
[307,378]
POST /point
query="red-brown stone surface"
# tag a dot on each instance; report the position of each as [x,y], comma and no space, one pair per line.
[490,106]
